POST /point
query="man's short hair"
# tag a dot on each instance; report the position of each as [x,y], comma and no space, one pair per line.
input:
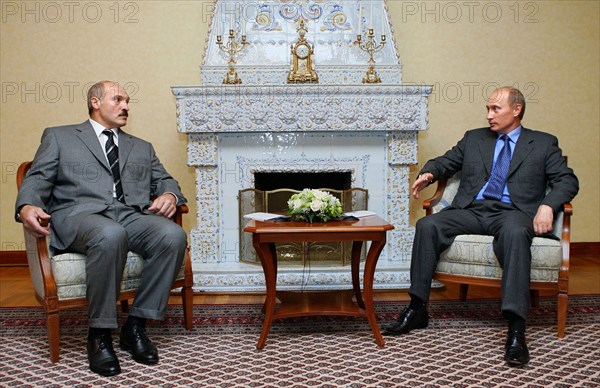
[515,97]
[97,90]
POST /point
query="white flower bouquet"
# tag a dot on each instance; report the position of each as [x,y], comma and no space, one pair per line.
[312,205]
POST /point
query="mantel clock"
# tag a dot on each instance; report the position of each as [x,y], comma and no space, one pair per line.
[302,60]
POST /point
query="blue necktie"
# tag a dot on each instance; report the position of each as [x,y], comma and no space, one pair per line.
[497,181]
[112,153]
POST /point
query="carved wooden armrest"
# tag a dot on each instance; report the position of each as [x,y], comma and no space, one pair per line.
[563,276]
[428,204]
[45,263]
[178,217]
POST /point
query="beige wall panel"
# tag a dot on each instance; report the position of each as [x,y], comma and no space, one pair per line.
[550,49]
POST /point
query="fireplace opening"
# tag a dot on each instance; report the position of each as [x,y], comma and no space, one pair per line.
[271,193]
[302,180]
[280,186]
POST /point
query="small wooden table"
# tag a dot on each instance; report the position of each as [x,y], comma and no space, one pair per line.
[295,304]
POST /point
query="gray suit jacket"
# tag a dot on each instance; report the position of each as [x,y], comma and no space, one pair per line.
[537,163]
[70,178]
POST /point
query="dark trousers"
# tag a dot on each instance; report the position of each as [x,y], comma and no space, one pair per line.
[512,230]
[106,238]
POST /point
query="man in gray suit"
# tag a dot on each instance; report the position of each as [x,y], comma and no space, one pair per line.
[505,171]
[104,193]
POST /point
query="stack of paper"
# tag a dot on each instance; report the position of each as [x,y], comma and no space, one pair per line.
[359,214]
[263,216]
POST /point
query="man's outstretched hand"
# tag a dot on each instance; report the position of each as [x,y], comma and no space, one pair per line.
[422,181]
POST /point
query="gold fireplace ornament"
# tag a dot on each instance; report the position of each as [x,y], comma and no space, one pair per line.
[233,47]
[369,46]
[302,71]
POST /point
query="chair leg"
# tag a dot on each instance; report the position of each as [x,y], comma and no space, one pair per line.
[125,305]
[187,302]
[562,304]
[535,298]
[53,326]
[462,292]
[187,295]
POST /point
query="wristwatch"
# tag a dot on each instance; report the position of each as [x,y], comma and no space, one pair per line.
[18,214]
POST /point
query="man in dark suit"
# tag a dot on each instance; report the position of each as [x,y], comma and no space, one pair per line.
[505,172]
[104,193]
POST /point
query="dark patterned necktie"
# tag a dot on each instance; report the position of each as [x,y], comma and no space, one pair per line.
[112,153]
[497,181]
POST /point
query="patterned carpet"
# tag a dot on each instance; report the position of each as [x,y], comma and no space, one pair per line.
[463,347]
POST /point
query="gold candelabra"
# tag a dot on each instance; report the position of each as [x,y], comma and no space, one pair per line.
[233,47]
[370,47]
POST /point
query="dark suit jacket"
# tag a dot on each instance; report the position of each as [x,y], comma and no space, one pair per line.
[70,177]
[537,164]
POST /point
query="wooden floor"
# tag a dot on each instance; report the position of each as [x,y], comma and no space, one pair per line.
[16,289]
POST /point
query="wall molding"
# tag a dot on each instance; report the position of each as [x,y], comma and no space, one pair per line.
[586,248]
[19,258]
[13,258]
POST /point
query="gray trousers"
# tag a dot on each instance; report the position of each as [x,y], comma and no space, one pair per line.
[512,230]
[105,239]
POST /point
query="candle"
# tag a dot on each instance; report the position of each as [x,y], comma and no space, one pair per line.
[238,15]
[243,23]
[222,19]
[372,1]
[384,18]
[360,14]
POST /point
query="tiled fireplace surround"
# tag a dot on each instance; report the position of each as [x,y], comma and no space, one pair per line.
[266,125]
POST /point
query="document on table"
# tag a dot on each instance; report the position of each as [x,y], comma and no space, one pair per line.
[259,216]
[359,214]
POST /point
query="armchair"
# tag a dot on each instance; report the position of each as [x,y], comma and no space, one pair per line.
[470,260]
[59,280]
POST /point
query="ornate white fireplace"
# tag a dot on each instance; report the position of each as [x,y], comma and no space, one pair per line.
[267,125]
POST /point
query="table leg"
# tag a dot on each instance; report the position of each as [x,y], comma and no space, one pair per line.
[369,274]
[268,259]
[273,250]
[355,269]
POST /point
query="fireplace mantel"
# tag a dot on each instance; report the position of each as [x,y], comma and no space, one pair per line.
[285,108]
[267,125]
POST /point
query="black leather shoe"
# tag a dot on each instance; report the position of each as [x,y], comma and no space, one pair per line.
[409,319]
[134,340]
[101,355]
[516,349]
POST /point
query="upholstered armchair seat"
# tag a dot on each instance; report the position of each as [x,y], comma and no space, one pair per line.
[472,255]
[69,274]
